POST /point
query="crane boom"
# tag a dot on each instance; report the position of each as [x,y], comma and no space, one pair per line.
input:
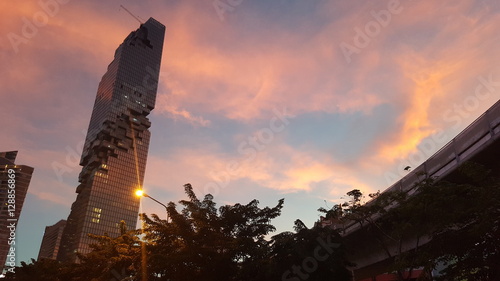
[131,14]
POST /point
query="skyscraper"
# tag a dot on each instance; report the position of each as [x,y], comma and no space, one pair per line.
[51,241]
[117,141]
[14,182]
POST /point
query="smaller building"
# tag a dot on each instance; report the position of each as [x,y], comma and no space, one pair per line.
[51,241]
[14,182]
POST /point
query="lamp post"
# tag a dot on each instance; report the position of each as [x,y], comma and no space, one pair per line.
[141,193]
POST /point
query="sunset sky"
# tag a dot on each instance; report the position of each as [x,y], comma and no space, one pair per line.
[297,99]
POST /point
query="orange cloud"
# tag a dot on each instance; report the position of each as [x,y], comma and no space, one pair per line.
[428,56]
[415,121]
[277,167]
[437,76]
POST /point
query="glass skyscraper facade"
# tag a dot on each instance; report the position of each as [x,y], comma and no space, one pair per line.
[51,241]
[116,146]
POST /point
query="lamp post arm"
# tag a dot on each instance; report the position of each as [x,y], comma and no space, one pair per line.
[145,195]
[141,193]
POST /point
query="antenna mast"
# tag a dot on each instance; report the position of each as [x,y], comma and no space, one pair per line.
[136,18]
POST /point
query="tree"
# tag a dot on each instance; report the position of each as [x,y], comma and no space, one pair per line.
[110,258]
[41,270]
[388,220]
[315,254]
[202,242]
[467,230]
[460,218]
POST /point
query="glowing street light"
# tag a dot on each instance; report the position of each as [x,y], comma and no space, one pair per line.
[141,193]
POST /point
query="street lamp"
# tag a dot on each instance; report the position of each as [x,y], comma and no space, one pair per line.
[141,193]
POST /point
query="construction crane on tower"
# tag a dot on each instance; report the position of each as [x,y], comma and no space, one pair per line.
[135,17]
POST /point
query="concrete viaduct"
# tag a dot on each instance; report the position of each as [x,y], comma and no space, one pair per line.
[479,142]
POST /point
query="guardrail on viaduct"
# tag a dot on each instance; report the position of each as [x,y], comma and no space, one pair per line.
[484,131]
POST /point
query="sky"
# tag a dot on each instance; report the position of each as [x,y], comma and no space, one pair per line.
[301,100]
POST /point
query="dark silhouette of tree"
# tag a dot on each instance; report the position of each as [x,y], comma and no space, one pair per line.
[202,242]
[467,230]
[42,270]
[315,254]
[111,257]
[461,219]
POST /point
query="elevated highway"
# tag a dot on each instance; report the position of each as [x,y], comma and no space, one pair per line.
[479,142]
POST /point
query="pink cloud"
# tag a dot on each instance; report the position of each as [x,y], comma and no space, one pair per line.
[434,78]
[278,167]
[220,69]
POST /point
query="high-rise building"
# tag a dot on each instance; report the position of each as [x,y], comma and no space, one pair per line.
[117,141]
[14,183]
[51,241]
